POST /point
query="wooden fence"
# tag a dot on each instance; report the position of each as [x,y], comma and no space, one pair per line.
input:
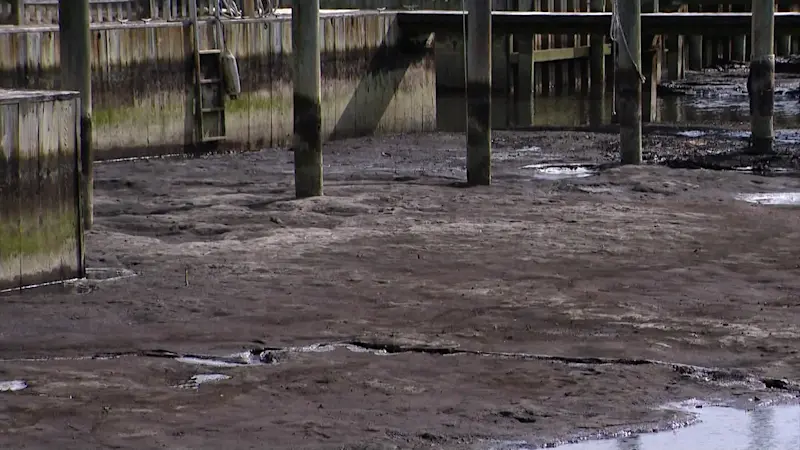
[45,12]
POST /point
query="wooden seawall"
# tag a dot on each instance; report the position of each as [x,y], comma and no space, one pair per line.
[40,231]
[373,80]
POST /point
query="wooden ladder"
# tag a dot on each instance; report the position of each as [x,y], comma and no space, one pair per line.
[209,88]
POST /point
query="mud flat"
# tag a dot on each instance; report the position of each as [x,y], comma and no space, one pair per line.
[404,311]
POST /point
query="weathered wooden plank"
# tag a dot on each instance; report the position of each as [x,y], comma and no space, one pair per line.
[66,115]
[30,232]
[715,23]
[10,235]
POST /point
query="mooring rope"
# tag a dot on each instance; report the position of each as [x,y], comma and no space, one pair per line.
[618,37]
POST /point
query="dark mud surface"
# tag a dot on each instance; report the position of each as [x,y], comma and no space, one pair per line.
[451,299]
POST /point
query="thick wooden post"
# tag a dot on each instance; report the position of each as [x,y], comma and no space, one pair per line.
[76,73]
[739,43]
[784,41]
[18,12]
[629,81]
[249,8]
[675,44]
[695,47]
[307,145]
[761,81]
[597,70]
[651,69]
[479,94]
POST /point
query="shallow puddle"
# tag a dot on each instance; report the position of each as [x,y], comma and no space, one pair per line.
[772,198]
[12,386]
[561,171]
[718,428]
[203,378]
[691,133]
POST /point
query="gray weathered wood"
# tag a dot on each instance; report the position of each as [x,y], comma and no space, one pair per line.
[479,98]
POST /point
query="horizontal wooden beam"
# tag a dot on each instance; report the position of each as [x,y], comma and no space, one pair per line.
[93,2]
[560,54]
[529,23]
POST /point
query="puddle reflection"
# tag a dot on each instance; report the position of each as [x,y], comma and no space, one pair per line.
[573,110]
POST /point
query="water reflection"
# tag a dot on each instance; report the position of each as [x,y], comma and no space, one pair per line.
[573,110]
[773,428]
[629,443]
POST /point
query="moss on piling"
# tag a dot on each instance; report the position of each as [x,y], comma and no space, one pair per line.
[29,235]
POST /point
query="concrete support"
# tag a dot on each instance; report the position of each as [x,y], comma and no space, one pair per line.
[629,82]
[597,69]
[307,143]
[18,12]
[76,75]
[479,95]
[761,81]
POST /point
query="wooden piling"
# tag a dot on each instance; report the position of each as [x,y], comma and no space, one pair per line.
[675,44]
[18,12]
[761,80]
[307,144]
[597,63]
[525,87]
[651,69]
[709,51]
[695,47]
[479,99]
[249,8]
[784,41]
[629,81]
[76,75]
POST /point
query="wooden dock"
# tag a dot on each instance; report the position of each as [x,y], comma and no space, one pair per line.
[532,23]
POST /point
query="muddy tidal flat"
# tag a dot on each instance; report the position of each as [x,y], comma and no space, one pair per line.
[401,310]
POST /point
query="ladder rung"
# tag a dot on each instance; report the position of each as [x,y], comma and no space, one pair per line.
[213,138]
[209,52]
[210,80]
[214,109]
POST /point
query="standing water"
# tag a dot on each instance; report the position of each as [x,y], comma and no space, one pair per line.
[719,428]
[718,108]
